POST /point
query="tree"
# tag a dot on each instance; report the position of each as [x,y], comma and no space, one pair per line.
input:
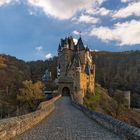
[2,62]
[30,93]
[120,104]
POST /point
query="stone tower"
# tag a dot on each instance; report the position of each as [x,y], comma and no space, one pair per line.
[76,69]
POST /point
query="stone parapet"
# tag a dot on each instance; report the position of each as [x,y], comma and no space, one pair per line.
[12,127]
[125,131]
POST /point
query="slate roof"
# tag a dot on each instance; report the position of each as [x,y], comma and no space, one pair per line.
[69,41]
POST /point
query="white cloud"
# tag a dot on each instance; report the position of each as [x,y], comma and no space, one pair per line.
[4,2]
[39,48]
[124,1]
[32,13]
[75,41]
[87,19]
[131,9]
[98,11]
[41,53]
[63,9]
[75,32]
[127,33]
[48,56]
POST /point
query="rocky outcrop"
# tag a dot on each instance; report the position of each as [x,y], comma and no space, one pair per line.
[12,127]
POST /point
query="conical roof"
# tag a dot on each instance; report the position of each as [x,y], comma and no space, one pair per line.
[80,44]
[59,48]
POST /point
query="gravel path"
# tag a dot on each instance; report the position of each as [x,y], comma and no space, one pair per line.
[68,123]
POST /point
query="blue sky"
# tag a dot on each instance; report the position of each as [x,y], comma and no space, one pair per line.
[31,29]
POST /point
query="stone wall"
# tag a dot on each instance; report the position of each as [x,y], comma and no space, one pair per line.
[125,131]
[15,126]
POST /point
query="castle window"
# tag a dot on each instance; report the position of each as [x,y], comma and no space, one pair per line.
[91,71]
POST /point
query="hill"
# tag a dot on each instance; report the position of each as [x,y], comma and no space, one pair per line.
[119,70]
[115,107]
[12,73]
[39,67]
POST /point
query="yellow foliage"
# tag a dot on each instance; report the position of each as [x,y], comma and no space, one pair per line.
[30,91]
[2,62]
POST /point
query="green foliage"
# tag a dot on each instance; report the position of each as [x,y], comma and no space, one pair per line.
[115,106]
[92,101]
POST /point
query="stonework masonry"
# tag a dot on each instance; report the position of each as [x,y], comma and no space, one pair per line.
[125,131]
[11,127]
[76,69]
[68,123]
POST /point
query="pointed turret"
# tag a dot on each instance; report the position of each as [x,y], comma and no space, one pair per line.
[66,44]
[59,48]
[71,42]
[80,44]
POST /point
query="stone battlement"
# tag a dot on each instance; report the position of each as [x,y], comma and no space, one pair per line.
[15,126]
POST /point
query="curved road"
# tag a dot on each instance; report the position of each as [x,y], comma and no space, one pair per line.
[68,123]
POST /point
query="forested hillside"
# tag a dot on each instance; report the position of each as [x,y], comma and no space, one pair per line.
[39,67]
[18,94]
[118,70]
[12,73]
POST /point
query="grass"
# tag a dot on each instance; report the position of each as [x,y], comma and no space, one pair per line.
[103,103]
[92,101]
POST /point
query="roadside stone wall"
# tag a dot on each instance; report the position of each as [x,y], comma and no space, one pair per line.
[15,126]
[125,131]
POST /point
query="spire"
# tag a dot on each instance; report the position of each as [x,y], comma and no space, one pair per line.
[80,44]
[59,48]
[66,44]
[71,42]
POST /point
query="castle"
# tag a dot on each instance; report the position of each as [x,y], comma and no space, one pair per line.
[76,69]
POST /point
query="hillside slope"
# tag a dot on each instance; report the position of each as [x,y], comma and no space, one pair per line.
[12,73]
[118,70]
[102,102]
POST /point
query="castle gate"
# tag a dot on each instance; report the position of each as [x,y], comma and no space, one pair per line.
[65,91]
